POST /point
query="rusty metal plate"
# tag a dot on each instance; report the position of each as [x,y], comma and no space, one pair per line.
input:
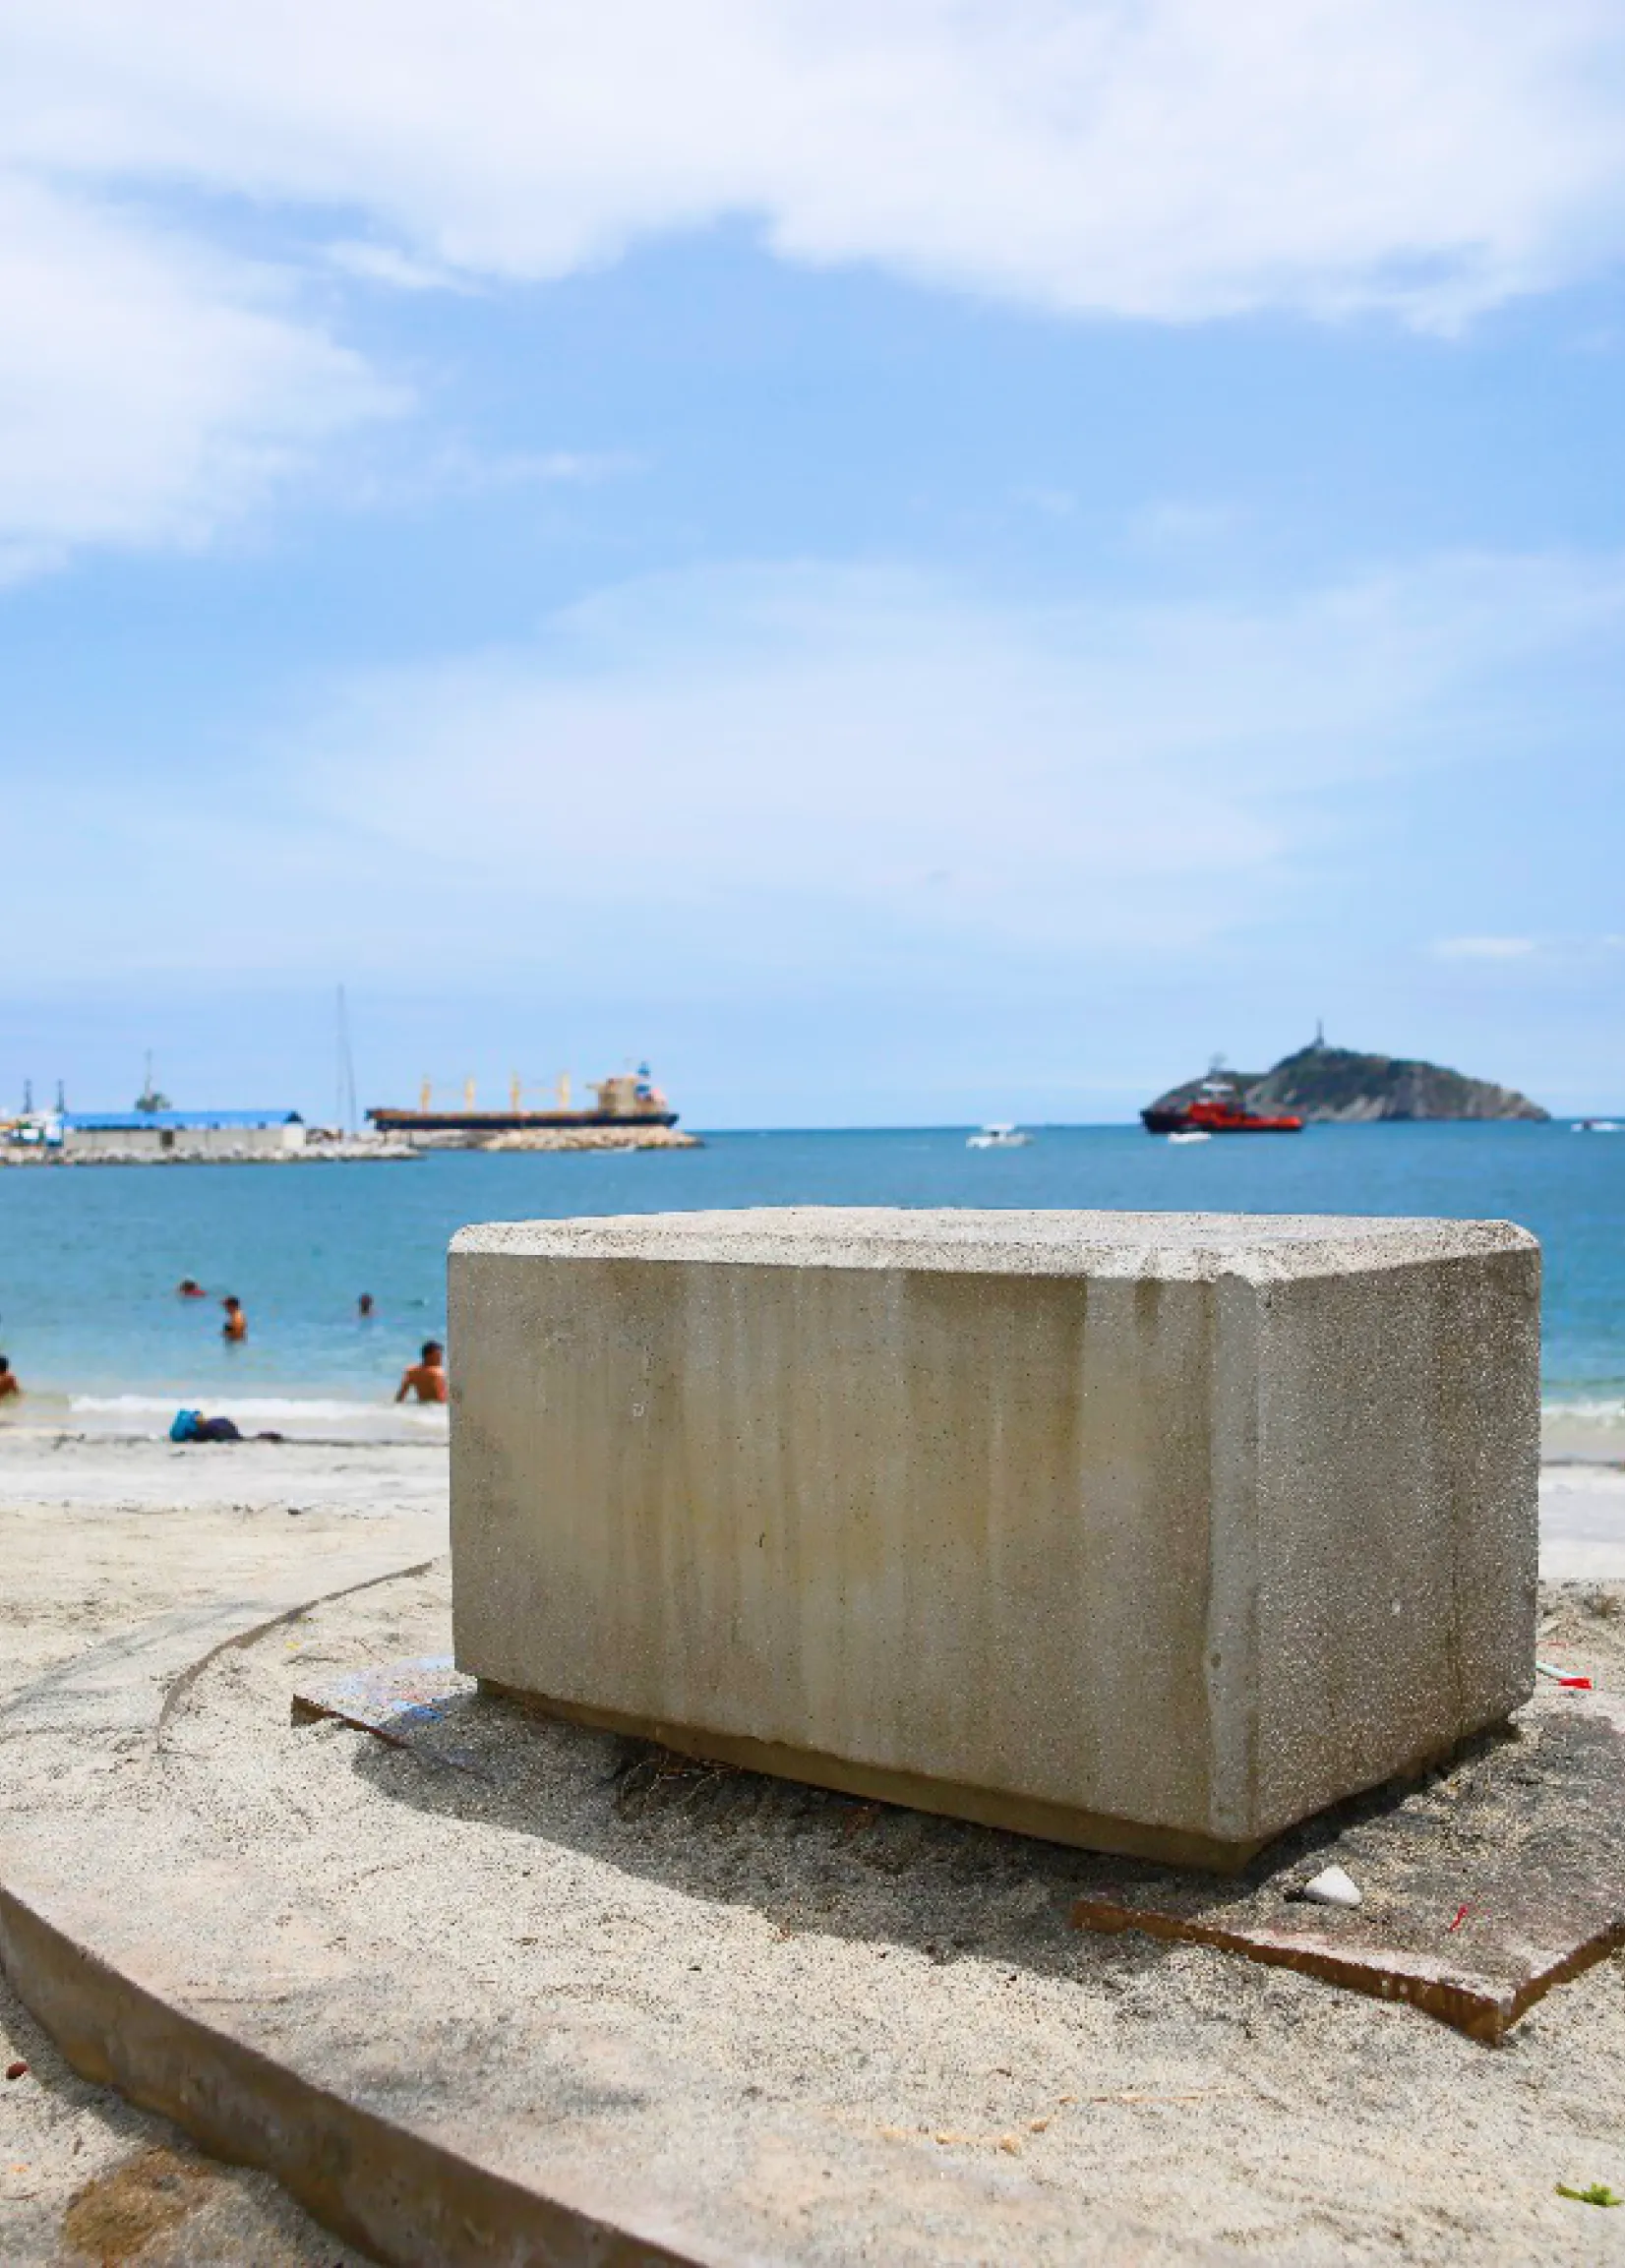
[1482,1885]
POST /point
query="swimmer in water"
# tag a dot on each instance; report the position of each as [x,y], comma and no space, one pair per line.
[426,1378]
[235,1326]
[190,1288]
[364,1307]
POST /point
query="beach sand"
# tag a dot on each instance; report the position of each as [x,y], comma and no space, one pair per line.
[96,1537]
[1252,2109]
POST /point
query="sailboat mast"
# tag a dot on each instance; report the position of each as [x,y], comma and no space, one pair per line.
[345,1069]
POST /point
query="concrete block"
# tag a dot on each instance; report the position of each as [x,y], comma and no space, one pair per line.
[1153,1532]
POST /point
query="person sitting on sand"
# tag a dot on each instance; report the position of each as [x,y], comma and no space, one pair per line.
[235,1326]
[190,1288]
[192,1425]
[426,1378]
[7,1381]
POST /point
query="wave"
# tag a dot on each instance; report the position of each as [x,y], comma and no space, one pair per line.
[1585,1408]
[269,1408]
[1603,1413]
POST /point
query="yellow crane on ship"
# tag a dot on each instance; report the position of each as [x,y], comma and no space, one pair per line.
[515,1093]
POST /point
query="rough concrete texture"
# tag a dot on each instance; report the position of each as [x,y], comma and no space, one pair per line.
[1152,1531]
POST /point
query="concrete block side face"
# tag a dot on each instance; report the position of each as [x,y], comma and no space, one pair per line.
[951,1526]
[1399,1446]
[1230,1663]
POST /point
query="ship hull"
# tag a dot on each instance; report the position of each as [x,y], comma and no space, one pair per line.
[510,1121]
[1215,1122]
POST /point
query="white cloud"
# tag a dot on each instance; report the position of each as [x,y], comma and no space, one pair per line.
[1552,951]
[148,390]
[1174,158]
[1486,948]
[1048,501]
[397,271]
[459,468]
[813,767]
[1176,524]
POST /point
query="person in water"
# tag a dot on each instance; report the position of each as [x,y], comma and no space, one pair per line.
[426,1378]
[8,1380]
[190,1288]
[364,1307]
[235,1326]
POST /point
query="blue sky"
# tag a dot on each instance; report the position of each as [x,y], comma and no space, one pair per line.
[909,563]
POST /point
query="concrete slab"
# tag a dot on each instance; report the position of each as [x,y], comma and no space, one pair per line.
[1480,1890]
[186,1956]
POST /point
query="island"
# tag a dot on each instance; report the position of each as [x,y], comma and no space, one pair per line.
[1339,1085]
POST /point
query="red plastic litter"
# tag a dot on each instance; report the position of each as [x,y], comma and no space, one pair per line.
[1581,1684]
[1462,1913]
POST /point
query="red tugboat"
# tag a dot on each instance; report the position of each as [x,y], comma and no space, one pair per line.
[1216,1109]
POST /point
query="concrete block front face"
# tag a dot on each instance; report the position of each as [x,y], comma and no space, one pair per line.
[1149,1532]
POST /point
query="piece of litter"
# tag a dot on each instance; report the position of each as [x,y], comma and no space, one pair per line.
[1599,2193]
[17,2071]
[1330,1887]
[1568,1676]
[1462,1913]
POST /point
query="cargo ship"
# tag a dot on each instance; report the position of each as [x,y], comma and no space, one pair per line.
[1216,1109]
[627,1100]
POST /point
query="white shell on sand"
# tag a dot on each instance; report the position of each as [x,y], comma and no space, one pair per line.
[1331,1888]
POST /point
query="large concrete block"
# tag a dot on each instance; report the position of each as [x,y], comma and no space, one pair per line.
[1149,1532]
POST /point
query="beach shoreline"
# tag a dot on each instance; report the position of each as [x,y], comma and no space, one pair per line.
[45,1464]
[313,1417]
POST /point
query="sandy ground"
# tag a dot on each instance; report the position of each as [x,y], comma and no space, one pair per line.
[1582,1519]
[1264,2113]
[96,1538]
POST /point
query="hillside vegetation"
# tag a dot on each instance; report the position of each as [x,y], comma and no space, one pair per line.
[1339,1086]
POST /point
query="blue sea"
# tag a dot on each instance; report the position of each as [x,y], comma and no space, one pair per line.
[89,1256]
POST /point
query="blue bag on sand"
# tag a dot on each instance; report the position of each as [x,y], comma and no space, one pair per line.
[185,1427]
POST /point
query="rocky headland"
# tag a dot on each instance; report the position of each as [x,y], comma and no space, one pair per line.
[1339,1086]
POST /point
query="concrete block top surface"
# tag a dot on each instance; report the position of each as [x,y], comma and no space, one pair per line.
[1175,1247]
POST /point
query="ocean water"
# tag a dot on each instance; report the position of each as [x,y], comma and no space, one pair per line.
[89,1256]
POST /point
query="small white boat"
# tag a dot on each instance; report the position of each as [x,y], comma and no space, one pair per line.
[1191,1134]
[1596,1126]
[998,1138]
